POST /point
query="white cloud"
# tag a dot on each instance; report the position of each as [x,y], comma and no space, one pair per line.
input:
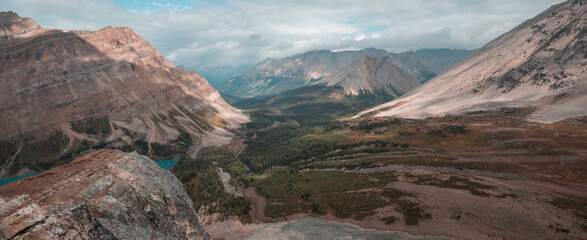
[235,32]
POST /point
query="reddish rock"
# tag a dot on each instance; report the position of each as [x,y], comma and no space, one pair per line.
[103,195]
[13,25]
[51,80]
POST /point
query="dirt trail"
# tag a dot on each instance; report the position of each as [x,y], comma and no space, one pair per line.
[242,148]
[258,203]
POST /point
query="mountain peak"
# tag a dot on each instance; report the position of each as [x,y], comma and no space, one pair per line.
[538,64]
[69,80]
[274,76]
[371,74]
[12,25]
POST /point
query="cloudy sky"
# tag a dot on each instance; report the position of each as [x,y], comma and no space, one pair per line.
[207,33]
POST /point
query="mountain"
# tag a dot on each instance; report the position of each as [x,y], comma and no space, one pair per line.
[372,74]
[63,92]
[441,59]
[539,65]
[13,25]
[217,75]
[107,194]
[274,76]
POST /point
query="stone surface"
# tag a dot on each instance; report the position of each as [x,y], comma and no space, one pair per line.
[107,194]
[540,64]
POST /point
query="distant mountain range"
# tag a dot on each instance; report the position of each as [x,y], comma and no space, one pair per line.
[217,75]
[274,76]
[540,64]
[64,92]
[370,74]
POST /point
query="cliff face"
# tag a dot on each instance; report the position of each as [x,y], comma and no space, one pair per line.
[13,25]
[539,64]
[108,87]
[103,195]
[372,74]
[274,76]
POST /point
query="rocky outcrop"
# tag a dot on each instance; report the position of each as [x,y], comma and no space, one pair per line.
[104,195]
[274,76]
[370,75]
[12,25]
[540,64]
[72,89]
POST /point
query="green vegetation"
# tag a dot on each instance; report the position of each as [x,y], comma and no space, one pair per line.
[261,120]
[284,145]
[176,147]
[296,151]
[93,126]
[454,182]
[437,133]
[7,150]
[455,128]
[390,220]
[170,149]
[315,104]
[343,194]
[369,124]
[38,155]
[289,191]
[413,213]
[141,146]
[202,182]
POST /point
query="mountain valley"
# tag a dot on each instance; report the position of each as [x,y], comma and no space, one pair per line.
[358,144]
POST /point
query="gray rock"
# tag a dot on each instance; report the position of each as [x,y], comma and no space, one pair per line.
[103,195]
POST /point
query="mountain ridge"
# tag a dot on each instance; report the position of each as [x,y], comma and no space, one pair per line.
[12,25]
[372,73]
[274,76]
[63,91]
[538,64]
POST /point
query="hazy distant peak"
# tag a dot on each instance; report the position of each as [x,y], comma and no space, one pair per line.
[13,25]
[371,74]
[276,75]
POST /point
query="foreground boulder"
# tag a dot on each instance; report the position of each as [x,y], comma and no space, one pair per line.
[103,195]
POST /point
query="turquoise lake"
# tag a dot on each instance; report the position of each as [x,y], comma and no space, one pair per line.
[167,163]
[163,163]
[14,179]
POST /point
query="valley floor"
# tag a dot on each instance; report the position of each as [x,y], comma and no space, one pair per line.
[482,175]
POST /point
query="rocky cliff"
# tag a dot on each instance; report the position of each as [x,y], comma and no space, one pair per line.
[13,25]
[274,76]
[107,194]
[370,75]
[540,64]
[62,92]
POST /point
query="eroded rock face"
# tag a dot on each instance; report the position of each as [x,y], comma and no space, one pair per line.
[107,194]
[539,64]
[13,25]
[274,76]
[372,74]
[107,86]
